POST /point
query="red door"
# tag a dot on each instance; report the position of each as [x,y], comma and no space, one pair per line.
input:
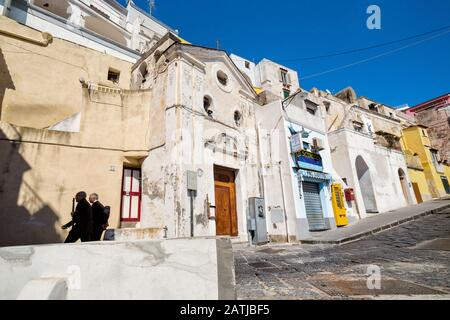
[131,195]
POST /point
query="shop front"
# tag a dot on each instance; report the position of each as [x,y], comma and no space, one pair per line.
[313,186]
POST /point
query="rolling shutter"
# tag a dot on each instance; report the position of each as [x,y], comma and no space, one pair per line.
[313,205]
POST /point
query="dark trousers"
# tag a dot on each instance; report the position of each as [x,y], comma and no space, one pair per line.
[75,235]
[97,234]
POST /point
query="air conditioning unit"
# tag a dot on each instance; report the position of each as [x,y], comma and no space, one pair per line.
[318,144]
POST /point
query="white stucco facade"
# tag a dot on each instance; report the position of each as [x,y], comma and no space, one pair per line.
[189,139]
[378,189]
[276,80]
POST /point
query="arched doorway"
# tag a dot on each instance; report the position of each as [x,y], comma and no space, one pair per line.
[365,185]
[404,184]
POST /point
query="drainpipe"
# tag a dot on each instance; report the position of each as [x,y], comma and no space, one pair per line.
[284,201]
[6,6]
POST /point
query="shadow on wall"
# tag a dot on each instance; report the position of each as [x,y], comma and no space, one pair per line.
[25,218]
[5,80]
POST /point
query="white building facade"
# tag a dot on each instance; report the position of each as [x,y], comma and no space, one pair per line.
[202,168]
[364,140]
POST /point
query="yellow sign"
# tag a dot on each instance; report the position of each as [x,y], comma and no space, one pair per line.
[337,198]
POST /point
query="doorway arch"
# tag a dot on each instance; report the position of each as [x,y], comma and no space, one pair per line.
[404,184]
[366,185]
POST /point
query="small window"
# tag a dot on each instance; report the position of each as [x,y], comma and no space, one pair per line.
[286,93]
[237,118]
[358,126]
[311,107]
[391,114]
[113,75]
[285,78]
[247,64]
[373,107]
[222,77]
[424,133]
[207,105]
[327,106]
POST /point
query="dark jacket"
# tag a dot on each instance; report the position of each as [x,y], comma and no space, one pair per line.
[98,215]
[82,217]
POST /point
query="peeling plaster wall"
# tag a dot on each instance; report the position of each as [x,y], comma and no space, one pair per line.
[196,142]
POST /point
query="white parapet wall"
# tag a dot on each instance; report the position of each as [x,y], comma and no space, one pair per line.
[180,269]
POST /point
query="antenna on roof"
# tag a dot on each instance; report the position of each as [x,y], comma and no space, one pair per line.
[151,5]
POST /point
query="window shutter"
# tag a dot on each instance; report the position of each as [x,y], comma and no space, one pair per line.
[280,75]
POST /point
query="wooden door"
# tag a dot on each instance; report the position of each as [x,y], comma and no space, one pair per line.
[417,192]
[225,198]
[131,195]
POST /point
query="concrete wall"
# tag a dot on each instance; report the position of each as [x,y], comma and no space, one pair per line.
[200,269]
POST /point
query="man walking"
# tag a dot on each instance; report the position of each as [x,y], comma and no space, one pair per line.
[81,220]
[100,222]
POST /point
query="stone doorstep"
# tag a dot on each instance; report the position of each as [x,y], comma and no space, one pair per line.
[375,230]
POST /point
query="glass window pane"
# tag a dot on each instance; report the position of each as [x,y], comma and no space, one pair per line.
[134,207]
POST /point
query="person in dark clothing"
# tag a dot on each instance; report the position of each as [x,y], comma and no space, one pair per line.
[81,220]
[100,222]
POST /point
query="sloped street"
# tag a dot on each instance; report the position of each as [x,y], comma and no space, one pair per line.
[413,258]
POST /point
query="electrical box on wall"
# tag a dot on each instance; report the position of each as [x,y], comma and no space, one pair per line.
[191,180]
[349,194]
[257,224]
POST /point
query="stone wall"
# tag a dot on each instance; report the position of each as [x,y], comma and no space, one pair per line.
[180,269]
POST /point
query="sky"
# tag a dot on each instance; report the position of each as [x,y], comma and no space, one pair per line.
[288,31]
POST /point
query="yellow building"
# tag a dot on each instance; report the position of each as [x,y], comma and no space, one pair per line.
[64,127]
[432,182]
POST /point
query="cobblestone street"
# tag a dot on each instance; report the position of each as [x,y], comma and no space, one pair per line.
[411,264]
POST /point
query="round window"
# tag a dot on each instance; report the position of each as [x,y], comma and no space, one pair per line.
[222,77]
